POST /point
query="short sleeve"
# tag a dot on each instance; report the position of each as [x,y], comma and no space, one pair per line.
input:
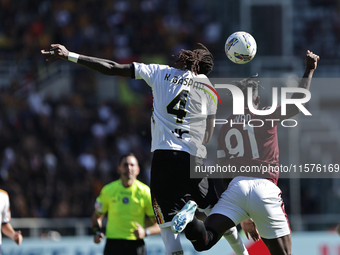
[212,105]
[149,73]
[100,205]
[212,98]
[145,72]
[148,204]
[6,213]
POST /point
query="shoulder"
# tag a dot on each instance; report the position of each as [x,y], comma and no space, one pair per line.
[111,186]
[140,66]
[142,186]
[3,193]
[203,76]
[4,196]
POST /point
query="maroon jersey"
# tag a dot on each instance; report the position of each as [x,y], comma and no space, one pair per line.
[252,147]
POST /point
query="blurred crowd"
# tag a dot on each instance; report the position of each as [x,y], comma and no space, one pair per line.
[316,25]
[122,30]
[58,154]
[127,30]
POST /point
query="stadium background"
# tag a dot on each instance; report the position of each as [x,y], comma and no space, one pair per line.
[63,126]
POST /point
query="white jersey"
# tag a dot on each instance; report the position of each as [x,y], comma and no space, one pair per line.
[5,215]
[182,101]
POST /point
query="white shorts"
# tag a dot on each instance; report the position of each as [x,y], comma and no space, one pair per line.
[256,198]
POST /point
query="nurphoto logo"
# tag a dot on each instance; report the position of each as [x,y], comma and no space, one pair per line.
[239,105]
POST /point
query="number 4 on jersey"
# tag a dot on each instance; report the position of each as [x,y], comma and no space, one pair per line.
[177,106]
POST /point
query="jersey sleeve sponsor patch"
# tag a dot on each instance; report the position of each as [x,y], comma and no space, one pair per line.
[98,207]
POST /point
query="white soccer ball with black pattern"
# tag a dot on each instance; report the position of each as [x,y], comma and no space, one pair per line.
[240,47]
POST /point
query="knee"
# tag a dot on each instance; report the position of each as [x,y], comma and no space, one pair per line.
[199,247]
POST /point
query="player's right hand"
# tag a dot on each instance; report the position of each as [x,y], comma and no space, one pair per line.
[17,237]
[98,237]
[250,229]
[311,60]
[56,51]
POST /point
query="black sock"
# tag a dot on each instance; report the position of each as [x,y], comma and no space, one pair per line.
[202,238]
[212,238]
[195,230]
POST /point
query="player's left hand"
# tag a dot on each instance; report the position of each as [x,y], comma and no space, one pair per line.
[56,51]
[311,60]
[17,237]
[139,232]
[249,228]
[98,237]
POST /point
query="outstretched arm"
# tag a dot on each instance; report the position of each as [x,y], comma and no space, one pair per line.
[311,61]
[103,66]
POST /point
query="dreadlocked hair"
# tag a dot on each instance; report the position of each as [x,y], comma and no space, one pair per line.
[199,61]
[248,83]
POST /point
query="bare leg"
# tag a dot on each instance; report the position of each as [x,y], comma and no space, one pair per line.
[232,236]
[279,246]
[219,223]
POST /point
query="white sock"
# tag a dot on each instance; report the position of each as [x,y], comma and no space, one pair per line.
[233,238]
[171,242]
[235,241]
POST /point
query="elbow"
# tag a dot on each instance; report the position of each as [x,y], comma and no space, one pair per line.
[108,69]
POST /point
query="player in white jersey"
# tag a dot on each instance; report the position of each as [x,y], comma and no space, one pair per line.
[184,109]
[178,96]
[5,217]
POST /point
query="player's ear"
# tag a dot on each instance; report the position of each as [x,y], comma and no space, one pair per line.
[137,170]
[118,170]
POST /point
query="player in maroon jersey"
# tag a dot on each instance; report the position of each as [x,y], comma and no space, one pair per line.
[251,195]
[244,146]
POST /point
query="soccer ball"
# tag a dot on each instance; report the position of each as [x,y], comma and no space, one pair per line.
[240,47]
